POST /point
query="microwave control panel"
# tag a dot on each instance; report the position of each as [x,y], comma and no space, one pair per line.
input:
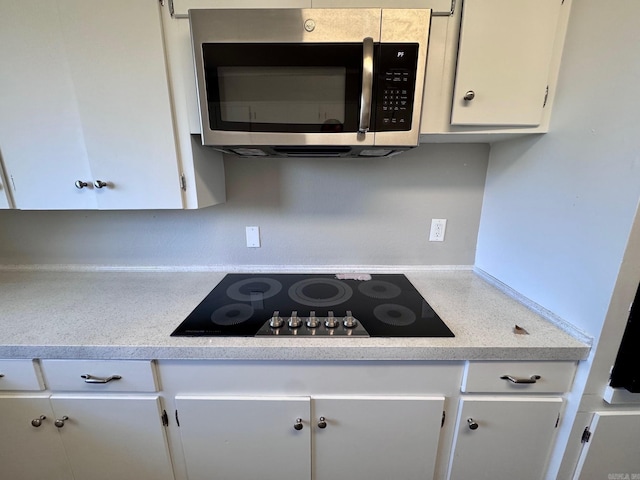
[394,86]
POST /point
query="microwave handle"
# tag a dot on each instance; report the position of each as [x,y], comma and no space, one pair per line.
[367,85]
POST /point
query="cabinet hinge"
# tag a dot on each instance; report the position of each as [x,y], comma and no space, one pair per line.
[183,182]
[165,418]
[177,419]
[444,415]
[161,3]
[546,96]
[586,435]
[557,421]
[172,11]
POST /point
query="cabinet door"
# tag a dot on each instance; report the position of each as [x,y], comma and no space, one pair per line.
[116,57]
[504,56]
[376,438]
[242,438]
[614,447]
[29,452]
[499,437]
[41,140]
[113,437]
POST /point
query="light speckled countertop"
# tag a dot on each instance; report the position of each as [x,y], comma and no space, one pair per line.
[130,315]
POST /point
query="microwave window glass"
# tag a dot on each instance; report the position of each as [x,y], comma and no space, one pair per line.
[283,95]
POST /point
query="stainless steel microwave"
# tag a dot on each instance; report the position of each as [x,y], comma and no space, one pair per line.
[310,82]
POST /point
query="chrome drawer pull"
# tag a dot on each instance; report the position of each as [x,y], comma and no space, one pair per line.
[531,379]
[91,379]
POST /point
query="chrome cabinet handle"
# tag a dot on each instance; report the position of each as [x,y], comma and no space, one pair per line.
[473,425]
[367,85]
[470,95]
[99,184]
[91,379]
[322,423]
[298,425]
[80,184]
[60,421]
[36,422]
[520,380]
[1,375]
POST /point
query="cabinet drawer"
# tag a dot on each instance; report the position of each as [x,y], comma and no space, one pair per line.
[99,375]
[545,377]
[18,375]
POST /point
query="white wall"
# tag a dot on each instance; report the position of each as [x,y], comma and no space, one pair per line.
[310,211]
[558,209]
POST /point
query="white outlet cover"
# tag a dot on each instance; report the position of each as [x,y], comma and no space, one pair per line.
[253,237]
[438,228]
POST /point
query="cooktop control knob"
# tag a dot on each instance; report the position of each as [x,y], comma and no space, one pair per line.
[276,321]
[312,321]
[294,321]
[349,320]
[331,321]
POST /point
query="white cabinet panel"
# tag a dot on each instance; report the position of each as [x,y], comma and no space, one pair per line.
[18,375]
[614,447]
[504,437]
[41,139]
[116,58]
[104,375]
[376,437]
[113,437]
[240,438]
[504,57]
[546,377]
[29,452]
[181,7]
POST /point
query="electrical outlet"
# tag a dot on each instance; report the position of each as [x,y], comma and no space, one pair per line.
[438,227]
[253,237]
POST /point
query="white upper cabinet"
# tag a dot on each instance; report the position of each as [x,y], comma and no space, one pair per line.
[40,128]
[504,57]
[116,59]
[86,114]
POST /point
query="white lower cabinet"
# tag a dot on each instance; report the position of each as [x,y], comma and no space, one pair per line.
[83,437]
[373,438]
[325,438]
[30,448]
[612,450]
[500,437]
[113,437]
[279,420]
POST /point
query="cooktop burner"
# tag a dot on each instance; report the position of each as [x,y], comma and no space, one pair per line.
[320,305]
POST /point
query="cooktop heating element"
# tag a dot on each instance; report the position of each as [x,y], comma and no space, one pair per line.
[314,305]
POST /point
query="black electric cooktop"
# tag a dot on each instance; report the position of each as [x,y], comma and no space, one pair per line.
[313,305]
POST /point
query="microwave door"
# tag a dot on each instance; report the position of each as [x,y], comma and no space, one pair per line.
[288,94]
